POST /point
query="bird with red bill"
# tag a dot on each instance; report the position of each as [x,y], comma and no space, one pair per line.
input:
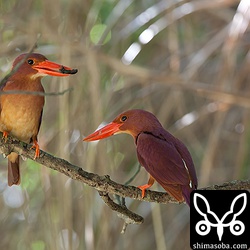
[165,158]
[21,113]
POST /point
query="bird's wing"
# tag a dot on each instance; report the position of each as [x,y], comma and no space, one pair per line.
[183,151]
[40,121]
[5,81]
[163,162]
[2,85]
[34,137]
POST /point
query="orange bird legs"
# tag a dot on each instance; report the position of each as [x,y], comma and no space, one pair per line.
[151,181]
[35,145]
[163,156]
[37,149]
[5,135]
[21,113]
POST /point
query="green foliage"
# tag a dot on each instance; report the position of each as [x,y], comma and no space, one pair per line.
[97,32]
[38,245]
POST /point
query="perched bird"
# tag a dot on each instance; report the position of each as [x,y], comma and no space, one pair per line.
[21,114]
[164,157]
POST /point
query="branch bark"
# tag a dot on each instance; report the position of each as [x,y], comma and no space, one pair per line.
[22,92]
[103,184]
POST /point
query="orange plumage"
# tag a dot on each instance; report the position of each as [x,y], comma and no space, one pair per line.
[21,114]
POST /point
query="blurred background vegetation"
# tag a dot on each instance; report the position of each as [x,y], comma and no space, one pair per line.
[178,59]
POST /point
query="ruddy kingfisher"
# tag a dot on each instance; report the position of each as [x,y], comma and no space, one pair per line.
[165,158]
[21,113]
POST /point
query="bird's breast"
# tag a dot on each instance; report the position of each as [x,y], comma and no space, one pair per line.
[20,115]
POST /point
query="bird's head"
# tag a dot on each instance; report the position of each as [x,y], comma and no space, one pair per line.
[36,65]
[132,122]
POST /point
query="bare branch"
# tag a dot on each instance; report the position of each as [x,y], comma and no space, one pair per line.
[100,183]
[103,184]
[23,92]
[122,211]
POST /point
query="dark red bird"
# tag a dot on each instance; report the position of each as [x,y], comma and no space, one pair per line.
[21,114]
[164,157]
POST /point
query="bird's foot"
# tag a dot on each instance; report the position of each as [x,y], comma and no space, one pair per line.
[5,135]
[151,181]
[37,152]
[143,189]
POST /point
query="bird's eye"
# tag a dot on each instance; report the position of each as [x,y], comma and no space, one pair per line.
[124,118]
[31,62]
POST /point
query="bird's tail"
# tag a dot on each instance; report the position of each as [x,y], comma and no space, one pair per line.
[175,191]
[13,169]
[186,191]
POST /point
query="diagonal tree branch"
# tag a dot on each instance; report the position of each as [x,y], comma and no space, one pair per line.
[23,92]
[122,211]
[103,184]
